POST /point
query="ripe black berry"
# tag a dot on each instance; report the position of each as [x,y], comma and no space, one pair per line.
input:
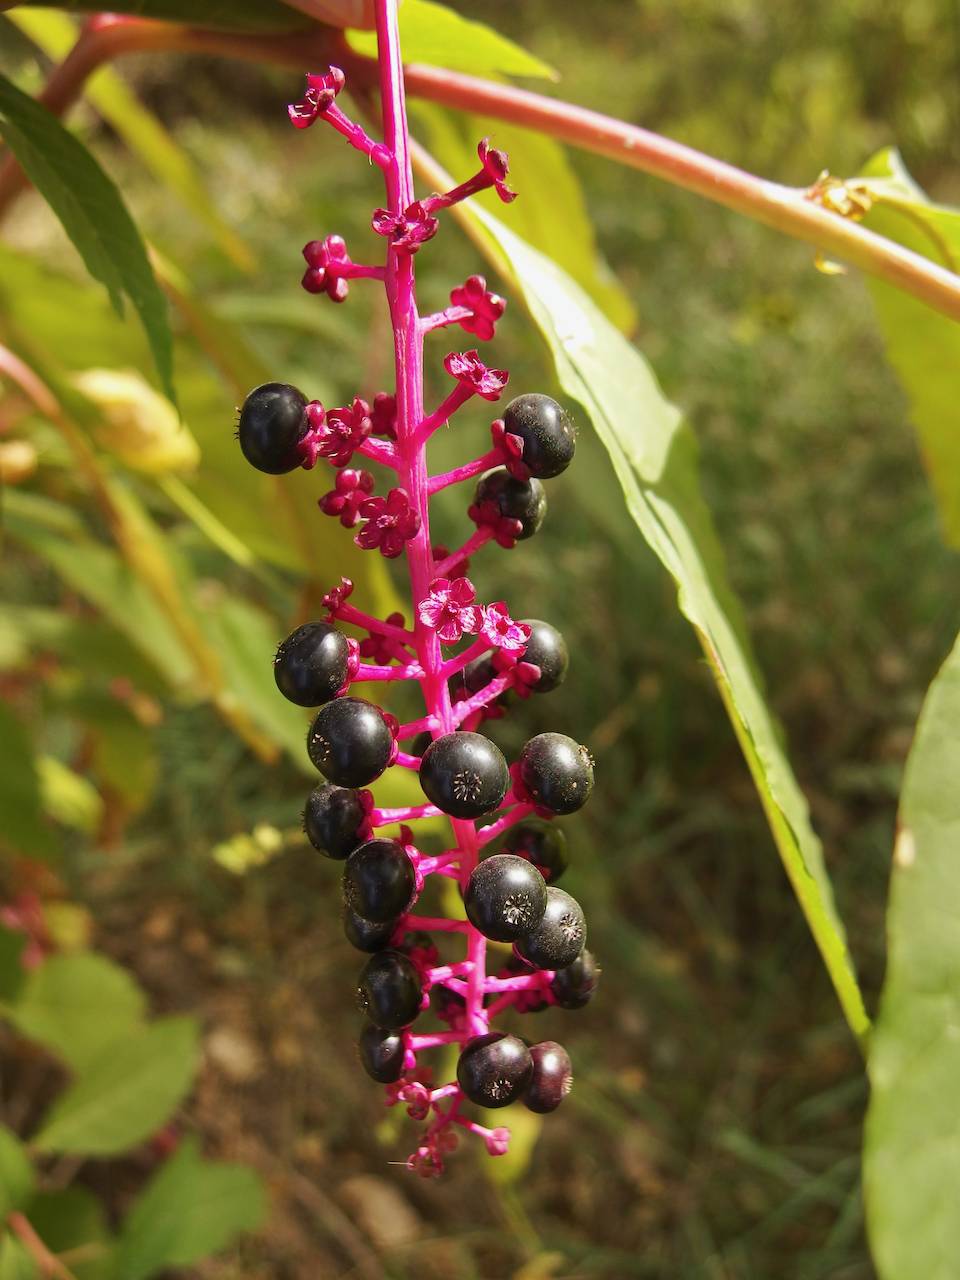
[549,440]
[494,1069]
[573,987]
[557,772]
[551,1079]
[559,937]
[547,650]
[365,935]
[389,991]
[378,881]
[350,742]
[272,423]
[505,897]
[381,1053]
[332,819]
[311,664]
[522,500]
[544,845]
[464,774]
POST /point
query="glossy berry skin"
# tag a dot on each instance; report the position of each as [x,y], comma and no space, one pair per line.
[311,665]
[464,774]
[547,650]
[544,845]
[365,935]
[378,881]
[332,819]
[549,440]
[273,421]
[381,1054]
[557,772]
[505,897]
[522,500]
[559,937]
[573,987]
[389,991]
[552,1077]
[349,742]
[494,1069]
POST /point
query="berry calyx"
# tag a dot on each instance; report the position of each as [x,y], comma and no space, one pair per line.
[311,664]
[551,1079]
[556,772]
[365,935]
[549,439]
[273,421]
[389,991]
[381,1054]
[522,501]
[573,987]
[378,881]
[505,897]
[559,937]
[547,650]
[494,1069]
[333,819]
[545,846]
[464,774]
[350,742]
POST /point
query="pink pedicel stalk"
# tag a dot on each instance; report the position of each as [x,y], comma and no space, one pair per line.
[468,659]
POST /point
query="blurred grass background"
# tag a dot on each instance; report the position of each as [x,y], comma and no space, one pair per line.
[715,1124]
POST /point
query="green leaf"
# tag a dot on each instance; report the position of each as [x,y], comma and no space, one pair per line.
[912,1148]
[76,1005]
[16,1174]
[74,1219]
[190,1209]
[68,797]
[92,212]
[15,1261]
[434,34]
[223,15]
[922,345]
[125,1094]
[23,828]
[655,458]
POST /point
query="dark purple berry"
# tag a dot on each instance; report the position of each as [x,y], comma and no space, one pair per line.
[350,742]
[381,1053]
[547,650]
[365,935]
[311,665]
[464,774]
[505,897]
[332,820]
[272,423]
[559,937]
[544,845]
[494,1069]
[549,440]
[522,500]
[379,881]
[551,1079]
[389,991]
[557,772]
[573,987]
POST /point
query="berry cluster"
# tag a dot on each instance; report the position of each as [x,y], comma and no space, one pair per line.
[510,898]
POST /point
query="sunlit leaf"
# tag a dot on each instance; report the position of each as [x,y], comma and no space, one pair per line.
[15,1262]
[68,797]
[16,1173]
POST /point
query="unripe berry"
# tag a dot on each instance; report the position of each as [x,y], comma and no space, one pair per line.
[311,665]
[350,742]
[464,774]
[551,1079]
[494,1069]
[573,987]
[332,819]
[505,897]
[365,935]
[549,440]
[272,423]
[543,844]
[389,991]
[378,881]
[559,937]
[557,772]
[547,650]
[522,500]
[381,1054]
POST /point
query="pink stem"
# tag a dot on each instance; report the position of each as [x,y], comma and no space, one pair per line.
[426,724]
[472,544]
[489,693]
[457,398]
[496,1007]
[379,451]
[407,813]
[522,982]
[516,814]
[369,671]
[441,923]
[356,271]
[462,969]
[479,647]
[356,136]
[406,761]
[466,472]
[347,613]
[440,319]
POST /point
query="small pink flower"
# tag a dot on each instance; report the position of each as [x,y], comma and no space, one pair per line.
[498,1141]
[383,649]
[325,262]
[391,522]
[486,308]
[496,165]
[344,431]
[449,609]
[351,488]
[384,415]
[335,597]
[321,91]
[501,630]
[469,369]
[487,514]
[406,231]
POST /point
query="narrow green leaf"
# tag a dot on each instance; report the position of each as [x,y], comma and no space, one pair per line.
[74,1220]
[222,15]
[434,34]
[16,1174]
[23,829]
[15,1262]
[92,212]
[912,1148]
[125,1094]
[190,1209]
[75,1005]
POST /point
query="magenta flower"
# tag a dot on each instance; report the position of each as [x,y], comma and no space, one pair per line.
[351,489]
[391,521]
[485,307]
[344,431]
[498,1141]
[469,369]
[501,630]
[384,415]
[325,261]
[496,165]
[335,597]
[449,609]
[321,91]
[383,649]
[406,231]
[487,514]
[510,448]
